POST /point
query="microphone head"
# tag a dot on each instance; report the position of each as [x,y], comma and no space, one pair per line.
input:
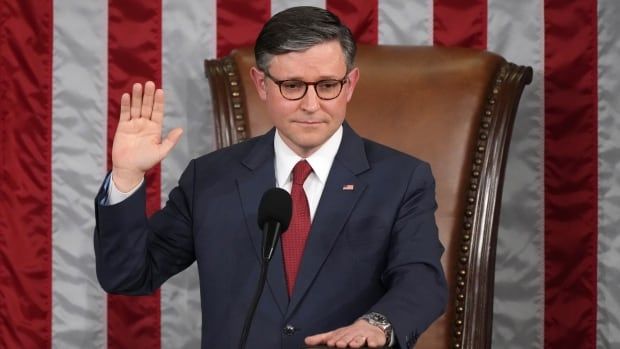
[275,206]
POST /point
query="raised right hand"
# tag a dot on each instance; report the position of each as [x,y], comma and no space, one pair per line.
[138,144]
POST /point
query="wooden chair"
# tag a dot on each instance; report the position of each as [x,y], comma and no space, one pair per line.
[452,107]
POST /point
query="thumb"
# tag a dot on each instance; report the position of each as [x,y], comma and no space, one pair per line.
[170,141]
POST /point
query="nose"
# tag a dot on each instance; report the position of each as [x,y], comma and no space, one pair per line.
[310,102]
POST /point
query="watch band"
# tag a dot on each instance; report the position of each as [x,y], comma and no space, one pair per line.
[380,321]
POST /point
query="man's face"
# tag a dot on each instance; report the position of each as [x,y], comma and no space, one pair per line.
[306,124]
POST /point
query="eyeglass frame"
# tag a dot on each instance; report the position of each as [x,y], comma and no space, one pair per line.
[342,81]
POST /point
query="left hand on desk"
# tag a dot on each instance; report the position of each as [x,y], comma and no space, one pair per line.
[357,335]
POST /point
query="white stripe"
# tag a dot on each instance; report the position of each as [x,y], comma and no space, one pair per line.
[608,328]
[280,5]
[515,30]
[79,110]
[405,22]
[188,30]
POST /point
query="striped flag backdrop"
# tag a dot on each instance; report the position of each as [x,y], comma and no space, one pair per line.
[65,63]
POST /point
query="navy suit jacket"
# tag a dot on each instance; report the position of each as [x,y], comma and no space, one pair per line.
[373,248]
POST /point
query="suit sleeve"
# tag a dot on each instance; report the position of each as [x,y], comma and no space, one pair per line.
[135,254]
[416,286]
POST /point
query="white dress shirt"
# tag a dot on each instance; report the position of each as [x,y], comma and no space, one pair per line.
[320,161]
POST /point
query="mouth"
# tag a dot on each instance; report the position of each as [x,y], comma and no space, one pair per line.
[308,122]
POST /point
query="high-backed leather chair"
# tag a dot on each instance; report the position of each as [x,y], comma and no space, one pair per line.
[452,107]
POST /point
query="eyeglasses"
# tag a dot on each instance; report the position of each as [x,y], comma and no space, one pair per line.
[294,90]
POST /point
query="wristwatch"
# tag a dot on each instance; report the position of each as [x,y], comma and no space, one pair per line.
[382,322]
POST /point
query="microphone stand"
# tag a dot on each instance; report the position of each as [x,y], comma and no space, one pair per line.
[270,239]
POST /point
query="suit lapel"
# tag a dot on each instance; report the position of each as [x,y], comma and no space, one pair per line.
[341,192]
[251,189]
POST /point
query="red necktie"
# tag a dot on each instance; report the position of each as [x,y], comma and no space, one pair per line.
[294,239]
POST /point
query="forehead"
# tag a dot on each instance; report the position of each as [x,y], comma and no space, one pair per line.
[320,61]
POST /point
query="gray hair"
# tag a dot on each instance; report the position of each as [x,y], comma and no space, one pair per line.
[298,29]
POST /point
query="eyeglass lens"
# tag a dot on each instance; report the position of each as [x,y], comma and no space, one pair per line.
[325,89]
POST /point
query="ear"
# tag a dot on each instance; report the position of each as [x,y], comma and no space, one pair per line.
[258,77]
[354,76]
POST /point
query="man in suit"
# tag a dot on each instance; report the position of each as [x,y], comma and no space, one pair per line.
[360,263]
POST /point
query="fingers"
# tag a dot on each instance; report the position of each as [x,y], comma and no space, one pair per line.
[320,338]
[146,103]
[357,342]
[353,336]
[342,338]
[349,341]
[147,100]
[136,100]
[125,107]
[158,106]
[346,340]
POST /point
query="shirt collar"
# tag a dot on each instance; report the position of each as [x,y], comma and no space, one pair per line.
[321,160]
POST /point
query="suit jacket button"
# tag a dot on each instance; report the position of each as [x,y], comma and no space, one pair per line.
[289,330]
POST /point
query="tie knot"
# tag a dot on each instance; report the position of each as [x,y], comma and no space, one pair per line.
[301,171]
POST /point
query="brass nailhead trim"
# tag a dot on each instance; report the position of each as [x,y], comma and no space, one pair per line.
[236,93]
[471,199]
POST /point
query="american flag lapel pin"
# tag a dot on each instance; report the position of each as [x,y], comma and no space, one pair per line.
[348,187]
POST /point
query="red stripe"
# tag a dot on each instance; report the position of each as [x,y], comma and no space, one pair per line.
[26,33]
[361,17]
[134,55]
[460,23]
[239,22]
[571,173]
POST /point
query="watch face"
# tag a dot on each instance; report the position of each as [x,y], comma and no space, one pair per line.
[379,318]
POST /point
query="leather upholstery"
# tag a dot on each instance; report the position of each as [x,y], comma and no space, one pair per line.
[452,107]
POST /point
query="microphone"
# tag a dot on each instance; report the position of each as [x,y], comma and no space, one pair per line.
[274,216]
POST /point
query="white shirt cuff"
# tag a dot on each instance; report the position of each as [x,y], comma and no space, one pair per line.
[116,196]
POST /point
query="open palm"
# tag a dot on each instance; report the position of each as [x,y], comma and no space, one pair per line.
[138,144]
